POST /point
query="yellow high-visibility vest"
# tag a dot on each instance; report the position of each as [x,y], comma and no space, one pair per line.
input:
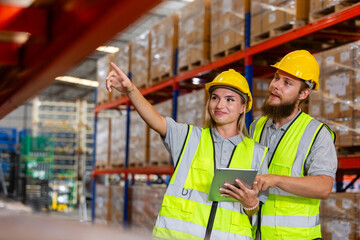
[185,211]
[284,215]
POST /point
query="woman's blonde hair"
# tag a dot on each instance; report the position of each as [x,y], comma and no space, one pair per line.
[209,122]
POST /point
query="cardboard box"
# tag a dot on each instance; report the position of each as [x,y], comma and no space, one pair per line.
[194,35]
[140,62]
[340,205]
[118,141]
[337,94]
[159,155]
[102,69]
[138,141]
[163,41]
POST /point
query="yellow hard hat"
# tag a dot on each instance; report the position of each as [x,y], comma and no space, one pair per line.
[302,64]
[236,81]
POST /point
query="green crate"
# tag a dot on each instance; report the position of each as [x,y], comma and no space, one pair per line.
[39,147]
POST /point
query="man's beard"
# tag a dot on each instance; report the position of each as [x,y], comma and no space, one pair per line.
[277,112]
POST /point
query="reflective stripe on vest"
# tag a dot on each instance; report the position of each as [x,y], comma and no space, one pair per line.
[284,215]
[185,212]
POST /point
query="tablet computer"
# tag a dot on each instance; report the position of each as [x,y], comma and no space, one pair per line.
[222,175]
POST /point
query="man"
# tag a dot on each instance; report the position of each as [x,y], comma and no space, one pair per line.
[302,154]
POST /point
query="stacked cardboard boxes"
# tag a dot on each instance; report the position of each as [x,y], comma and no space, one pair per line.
[227,27]
[139,58]
[319,9]
[139,135]
[270,18]
[339,216]
[102,69]
[191,108]
[336,102]
[158,154]
[163,45]
[118,140]
[194,35]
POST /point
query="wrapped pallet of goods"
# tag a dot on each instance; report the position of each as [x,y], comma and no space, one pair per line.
[158,154]
[145,204]
[117,204]
[139,135]
[122,60]
[260,91]
[227,27]
[102,204]
[194,35]
[335,103]
[118,140]
[320,9]
[271,18]
[189,114]
[338,216]
[102,143]
[164,43]
[102,69]
[139,58]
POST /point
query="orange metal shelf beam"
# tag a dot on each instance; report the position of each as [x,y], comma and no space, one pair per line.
[76,33]
[348,163]
[9,54]
[31,20]
[331,20]
[138,170]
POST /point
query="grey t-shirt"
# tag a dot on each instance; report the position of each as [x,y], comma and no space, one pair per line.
[322,159]
[175,137]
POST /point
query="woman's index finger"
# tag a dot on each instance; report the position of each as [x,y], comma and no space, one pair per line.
[117,69]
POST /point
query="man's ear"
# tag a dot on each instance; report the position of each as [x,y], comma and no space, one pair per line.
[304,93]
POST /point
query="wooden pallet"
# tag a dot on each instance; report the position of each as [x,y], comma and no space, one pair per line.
[321,13]
[191,66]
[161,78]
[137,165]
[271,33]
[120,165]
[160,163]
[226,52]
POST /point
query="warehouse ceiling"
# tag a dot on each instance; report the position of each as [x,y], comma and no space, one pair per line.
[43,39]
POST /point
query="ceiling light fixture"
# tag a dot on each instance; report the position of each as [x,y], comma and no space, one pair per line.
[80,81]
[108,49]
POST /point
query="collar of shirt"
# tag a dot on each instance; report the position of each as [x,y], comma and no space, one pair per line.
[270,123]
[218,138]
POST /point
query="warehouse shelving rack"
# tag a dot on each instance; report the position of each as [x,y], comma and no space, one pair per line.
[274,47]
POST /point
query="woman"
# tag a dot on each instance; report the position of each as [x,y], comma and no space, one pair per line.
[197,152]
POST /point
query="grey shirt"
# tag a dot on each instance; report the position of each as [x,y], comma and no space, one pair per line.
[322,159]
[175,137]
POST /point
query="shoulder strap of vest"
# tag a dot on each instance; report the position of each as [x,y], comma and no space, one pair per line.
[259,128]
[190,127]
[333,135]
[301,117]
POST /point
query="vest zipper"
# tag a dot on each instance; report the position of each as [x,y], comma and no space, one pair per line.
[211,220]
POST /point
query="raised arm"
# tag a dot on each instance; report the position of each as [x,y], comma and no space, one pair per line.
[118,80]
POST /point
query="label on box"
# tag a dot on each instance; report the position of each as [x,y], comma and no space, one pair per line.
[329,107]
[329,61]
[272,17]
[344,56]
[226,39]
[314,109]
[347,204]
[336,84]
[357,77]
[344,107]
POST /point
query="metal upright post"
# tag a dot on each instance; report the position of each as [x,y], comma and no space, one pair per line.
[93,178]
[248,58]
[126,185]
